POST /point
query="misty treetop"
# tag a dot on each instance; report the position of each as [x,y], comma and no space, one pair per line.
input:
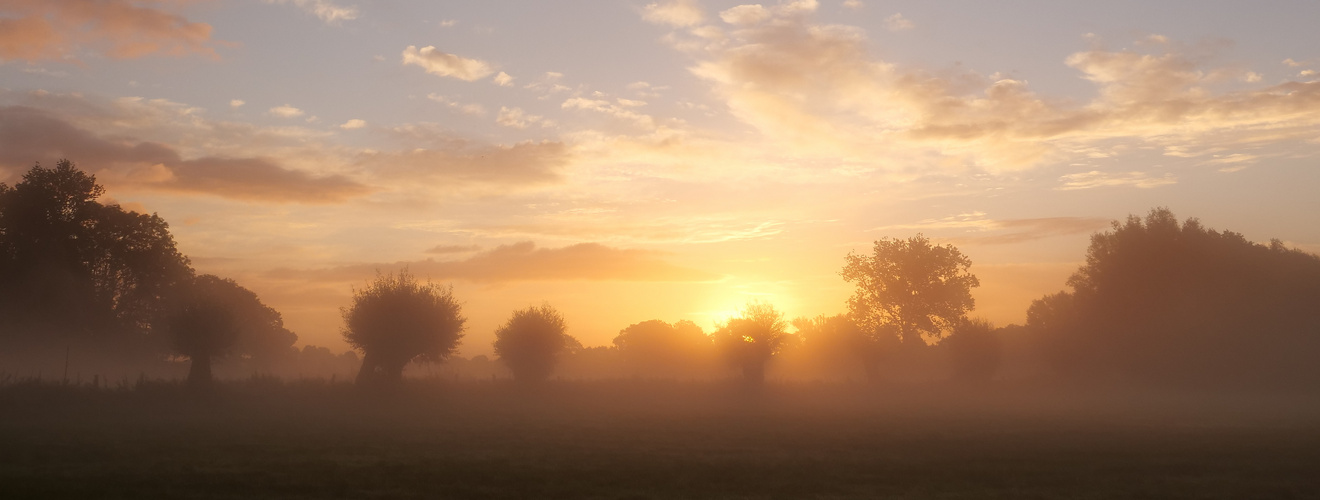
[71,266]
[1169,302]
[75,272]
[531,341]
[397,319]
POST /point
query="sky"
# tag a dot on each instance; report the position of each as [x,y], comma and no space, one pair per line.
[633,160]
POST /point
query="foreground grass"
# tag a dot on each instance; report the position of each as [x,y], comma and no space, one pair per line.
[649,440]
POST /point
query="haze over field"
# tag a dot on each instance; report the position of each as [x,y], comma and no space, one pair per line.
[671,160]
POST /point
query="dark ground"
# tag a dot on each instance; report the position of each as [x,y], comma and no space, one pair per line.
[634,439]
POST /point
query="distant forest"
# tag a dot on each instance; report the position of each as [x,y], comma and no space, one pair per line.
[94,293]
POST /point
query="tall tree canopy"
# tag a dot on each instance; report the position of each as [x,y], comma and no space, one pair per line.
[397,319]
[910,288]
[71,267]
[531,341]
[1163,301]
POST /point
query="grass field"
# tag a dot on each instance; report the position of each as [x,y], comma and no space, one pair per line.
[636,439]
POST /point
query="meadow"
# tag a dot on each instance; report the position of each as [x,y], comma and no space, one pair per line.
[266,438]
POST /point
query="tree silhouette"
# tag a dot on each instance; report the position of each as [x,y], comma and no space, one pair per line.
[658,348]
[909,287]
[1164,302]
[73,268]
[751,339]
[262,337]
[837,339]
[974,350]
[531,341]
[203,326]
[397,319]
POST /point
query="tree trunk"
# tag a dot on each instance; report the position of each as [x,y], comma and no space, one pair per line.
[199,373]
[367,373]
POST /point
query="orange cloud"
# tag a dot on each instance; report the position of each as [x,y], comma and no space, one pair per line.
[36,30]
[28,135]
[525,262]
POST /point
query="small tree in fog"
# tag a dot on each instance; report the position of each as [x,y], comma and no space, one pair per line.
[974,351]
[658,348]
[203,326]
[751,339]
[531,341]
[397,319]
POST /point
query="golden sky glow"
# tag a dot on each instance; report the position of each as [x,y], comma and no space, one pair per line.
[626,161]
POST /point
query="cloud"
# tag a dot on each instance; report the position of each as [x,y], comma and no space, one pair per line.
[853,4]
[326,10]
[1004,231]
[745,14]
[28,135]
[286,111]
[678,13]
[503,79]
[473,108]
[814,91]
[453,163]
[35,30]
[445,64]
[235,103]
[353,124]
[448,249]
[1095,179]
[897,22]
[525,262]
[516,118]
[619,110]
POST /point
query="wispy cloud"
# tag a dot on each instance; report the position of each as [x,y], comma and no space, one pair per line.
[325,10]
[36,30]
[445,64]
[1096,179]
[286,111]
[525,262]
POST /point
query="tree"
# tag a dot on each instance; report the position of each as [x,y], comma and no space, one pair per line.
[396,320]
[1164,302]
[909,287]
[262,337]
[203,326]
[73,268]
[751,339]
[530,342]
[974,351]
[658,348]
[831,340]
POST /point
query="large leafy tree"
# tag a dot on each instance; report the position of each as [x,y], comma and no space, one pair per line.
[72,267]
[397,319]
[1164,301]
[261,336]
[910,288]
[530,342]
[749,340]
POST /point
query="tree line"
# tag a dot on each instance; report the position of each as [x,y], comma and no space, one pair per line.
[1158,301]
